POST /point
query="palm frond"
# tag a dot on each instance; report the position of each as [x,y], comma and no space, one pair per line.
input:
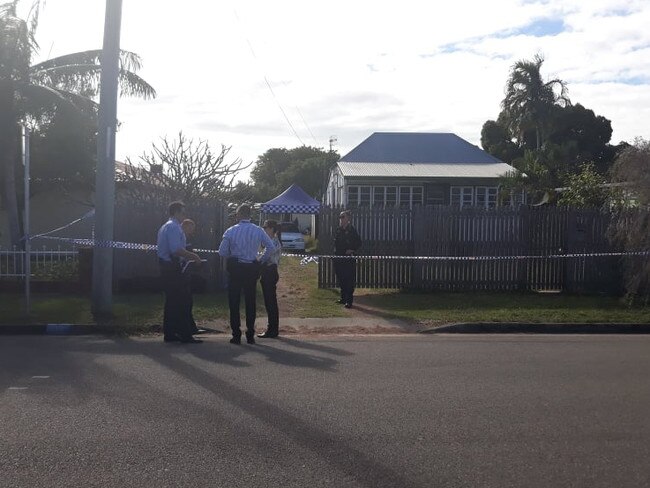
[15,46]
[128,60]
[8,8]
[38,100]
[45,97]
[85,80]
[79,78]
[32,19]
[134,86]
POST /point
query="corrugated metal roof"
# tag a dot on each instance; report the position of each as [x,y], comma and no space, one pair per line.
[424,170]
[417,147]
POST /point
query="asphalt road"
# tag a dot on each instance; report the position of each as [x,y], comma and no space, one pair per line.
[407,411]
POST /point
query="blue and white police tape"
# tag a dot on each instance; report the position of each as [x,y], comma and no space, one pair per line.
[309,258]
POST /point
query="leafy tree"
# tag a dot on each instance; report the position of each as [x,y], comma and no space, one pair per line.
[544,136]
[529,101]
[630,225]
[278,168]
[496,140]
[64,151]
[241,192]
[31,91]
[180,169]
[586,133]
[585,189]
[531,176]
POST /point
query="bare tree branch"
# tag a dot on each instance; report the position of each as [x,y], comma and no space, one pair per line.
[179,169]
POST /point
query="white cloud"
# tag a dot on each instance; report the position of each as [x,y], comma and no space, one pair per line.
[352,68]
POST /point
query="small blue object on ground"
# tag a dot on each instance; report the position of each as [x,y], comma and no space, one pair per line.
[58,329]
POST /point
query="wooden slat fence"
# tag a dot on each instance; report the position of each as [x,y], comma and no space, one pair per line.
[472,232]
[134,269]
[384,232]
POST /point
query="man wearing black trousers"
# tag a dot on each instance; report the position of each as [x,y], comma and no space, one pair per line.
[346,243]
[270,279]
[171,248]
[239,246]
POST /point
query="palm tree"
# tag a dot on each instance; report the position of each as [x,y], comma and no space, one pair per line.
[529,100]
[28,90]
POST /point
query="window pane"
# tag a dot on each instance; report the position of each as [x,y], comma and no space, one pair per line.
[417,195]
[378,199]
[493,193]
[467,196]
[481,196]
[391,196]
[455,196]
[405,196]
[364,196]
[353,196]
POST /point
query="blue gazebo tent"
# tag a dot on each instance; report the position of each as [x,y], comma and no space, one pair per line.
[293,200]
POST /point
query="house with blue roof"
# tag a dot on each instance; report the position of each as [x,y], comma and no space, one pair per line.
[406,169]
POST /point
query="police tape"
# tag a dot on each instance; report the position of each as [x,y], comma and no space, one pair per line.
[314,258]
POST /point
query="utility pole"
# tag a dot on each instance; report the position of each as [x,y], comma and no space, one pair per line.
[102,284]
[333,140]
[26,222]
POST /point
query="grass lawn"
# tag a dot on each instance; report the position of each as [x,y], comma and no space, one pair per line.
[439,308]
[136,312]
[301,283]
[299,296]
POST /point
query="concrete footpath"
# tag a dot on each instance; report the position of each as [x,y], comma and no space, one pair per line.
[358,326]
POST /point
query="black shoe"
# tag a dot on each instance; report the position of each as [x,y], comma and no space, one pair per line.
[348,305]
[201,331]
[250,337]
[189,340]
[172,338]
[268,335]
[235,340]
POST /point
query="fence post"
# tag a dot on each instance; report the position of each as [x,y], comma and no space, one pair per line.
[524,247]
[85,267]
[417,222]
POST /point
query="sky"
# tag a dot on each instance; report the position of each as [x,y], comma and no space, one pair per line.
[256,74]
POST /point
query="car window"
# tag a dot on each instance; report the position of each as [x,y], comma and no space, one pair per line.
[289,227]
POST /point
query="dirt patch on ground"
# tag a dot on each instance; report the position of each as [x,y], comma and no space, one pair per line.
[288,296]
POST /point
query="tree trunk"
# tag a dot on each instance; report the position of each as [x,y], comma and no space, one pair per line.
[8,153]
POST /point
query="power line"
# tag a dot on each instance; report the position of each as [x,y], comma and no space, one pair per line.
[268,84]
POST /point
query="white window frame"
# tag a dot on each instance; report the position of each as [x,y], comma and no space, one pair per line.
[491,196]
[372,189]
[463,192]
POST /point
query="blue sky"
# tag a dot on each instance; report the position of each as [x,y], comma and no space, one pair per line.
[352,68]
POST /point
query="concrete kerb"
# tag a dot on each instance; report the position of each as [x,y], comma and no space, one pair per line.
[336,325]
[360,326]
[537,328]
[55,329]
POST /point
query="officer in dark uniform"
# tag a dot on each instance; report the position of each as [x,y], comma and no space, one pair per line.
[346,243]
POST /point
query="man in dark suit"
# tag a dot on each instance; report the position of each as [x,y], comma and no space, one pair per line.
[346,243]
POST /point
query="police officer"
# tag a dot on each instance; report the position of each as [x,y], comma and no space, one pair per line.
[240,245]
[346,243]
[171,249]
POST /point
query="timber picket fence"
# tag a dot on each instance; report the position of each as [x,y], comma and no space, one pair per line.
[512,235]
[138,270]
